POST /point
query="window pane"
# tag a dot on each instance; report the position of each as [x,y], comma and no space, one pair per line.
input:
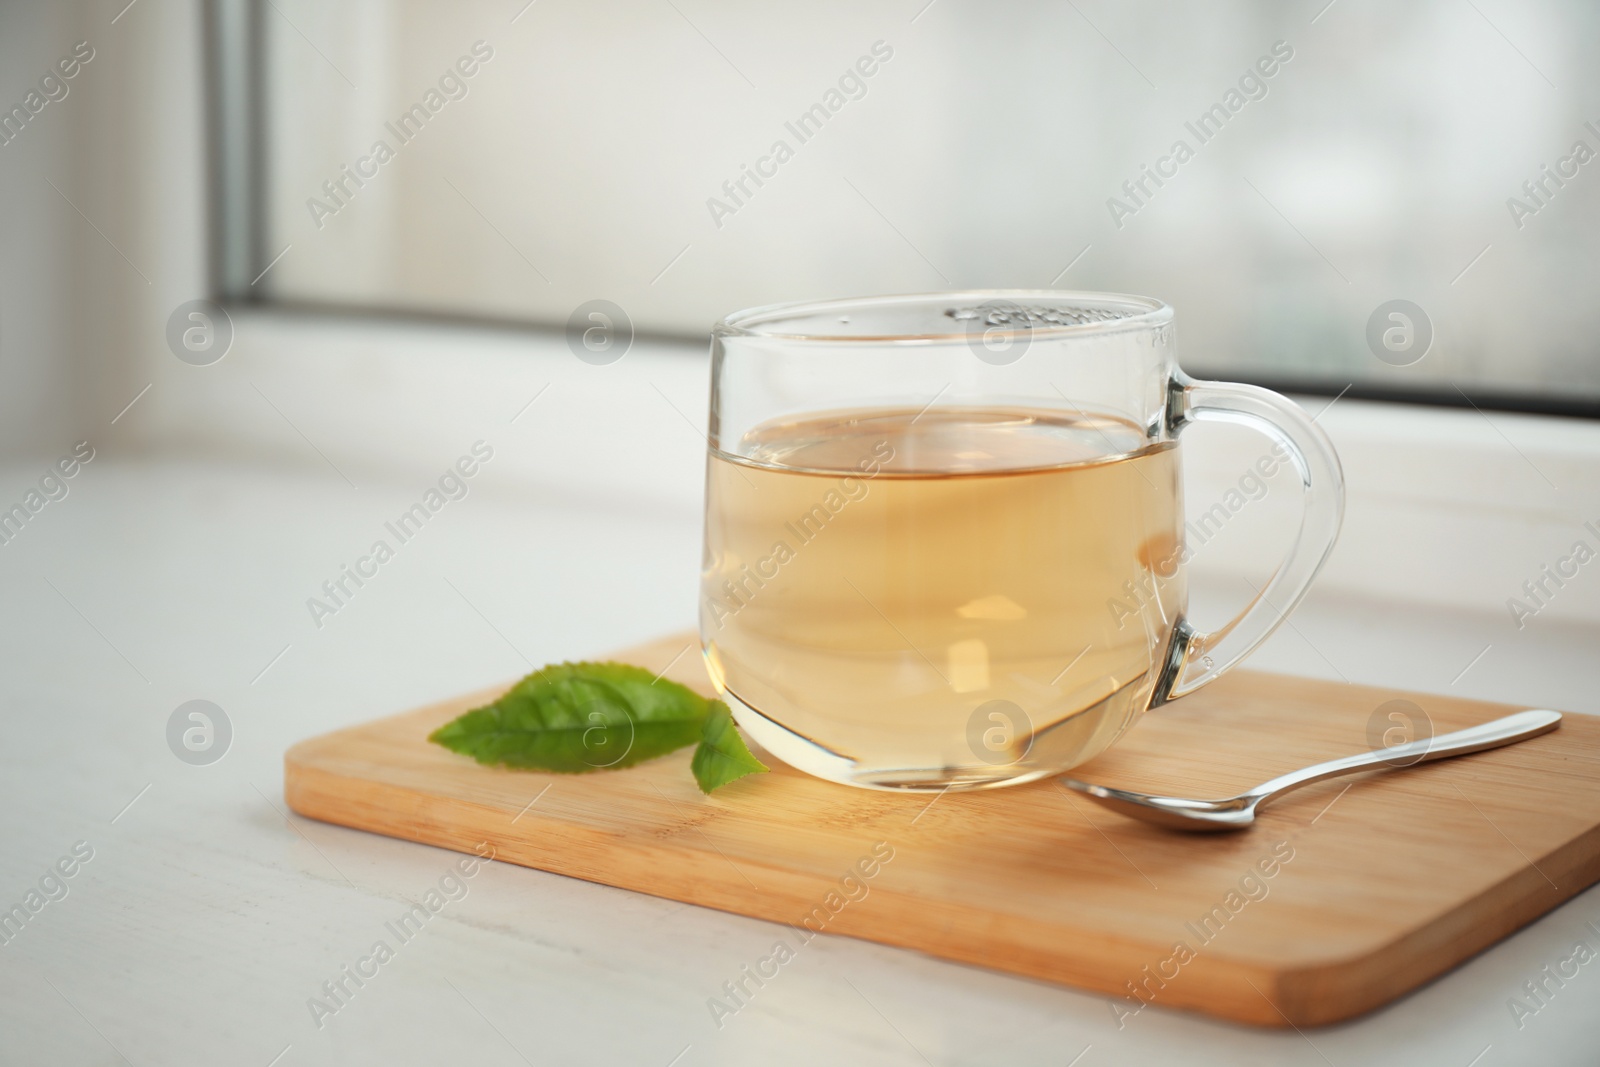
[1279,180]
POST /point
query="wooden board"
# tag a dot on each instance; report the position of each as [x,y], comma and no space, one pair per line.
[1377,885]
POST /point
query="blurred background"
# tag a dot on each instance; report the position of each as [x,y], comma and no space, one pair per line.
[207,150]
[1375,162]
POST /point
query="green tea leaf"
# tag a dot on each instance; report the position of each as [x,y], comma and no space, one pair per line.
[722,756]
[577,717]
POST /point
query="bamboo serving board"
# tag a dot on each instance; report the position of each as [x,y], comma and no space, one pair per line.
[1343,897]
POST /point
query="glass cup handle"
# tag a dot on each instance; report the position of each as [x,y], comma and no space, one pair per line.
[1195,658]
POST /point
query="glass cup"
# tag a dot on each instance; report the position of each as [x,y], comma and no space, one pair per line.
[944,540]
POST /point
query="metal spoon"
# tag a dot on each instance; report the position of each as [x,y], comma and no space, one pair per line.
[1236,813]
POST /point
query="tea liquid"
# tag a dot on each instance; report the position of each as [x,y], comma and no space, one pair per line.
[960,596]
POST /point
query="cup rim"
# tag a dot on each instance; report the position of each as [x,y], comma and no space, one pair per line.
[748,323]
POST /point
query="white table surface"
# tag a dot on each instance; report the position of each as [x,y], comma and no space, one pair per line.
[206,918]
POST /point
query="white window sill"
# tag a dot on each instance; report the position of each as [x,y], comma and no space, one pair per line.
[1447,508]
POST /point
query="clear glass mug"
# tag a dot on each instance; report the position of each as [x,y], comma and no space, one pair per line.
[944,540]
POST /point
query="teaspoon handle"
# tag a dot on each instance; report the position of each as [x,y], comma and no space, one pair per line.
[1502,731]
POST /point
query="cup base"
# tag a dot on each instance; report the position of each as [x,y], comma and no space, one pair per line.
[806,755]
